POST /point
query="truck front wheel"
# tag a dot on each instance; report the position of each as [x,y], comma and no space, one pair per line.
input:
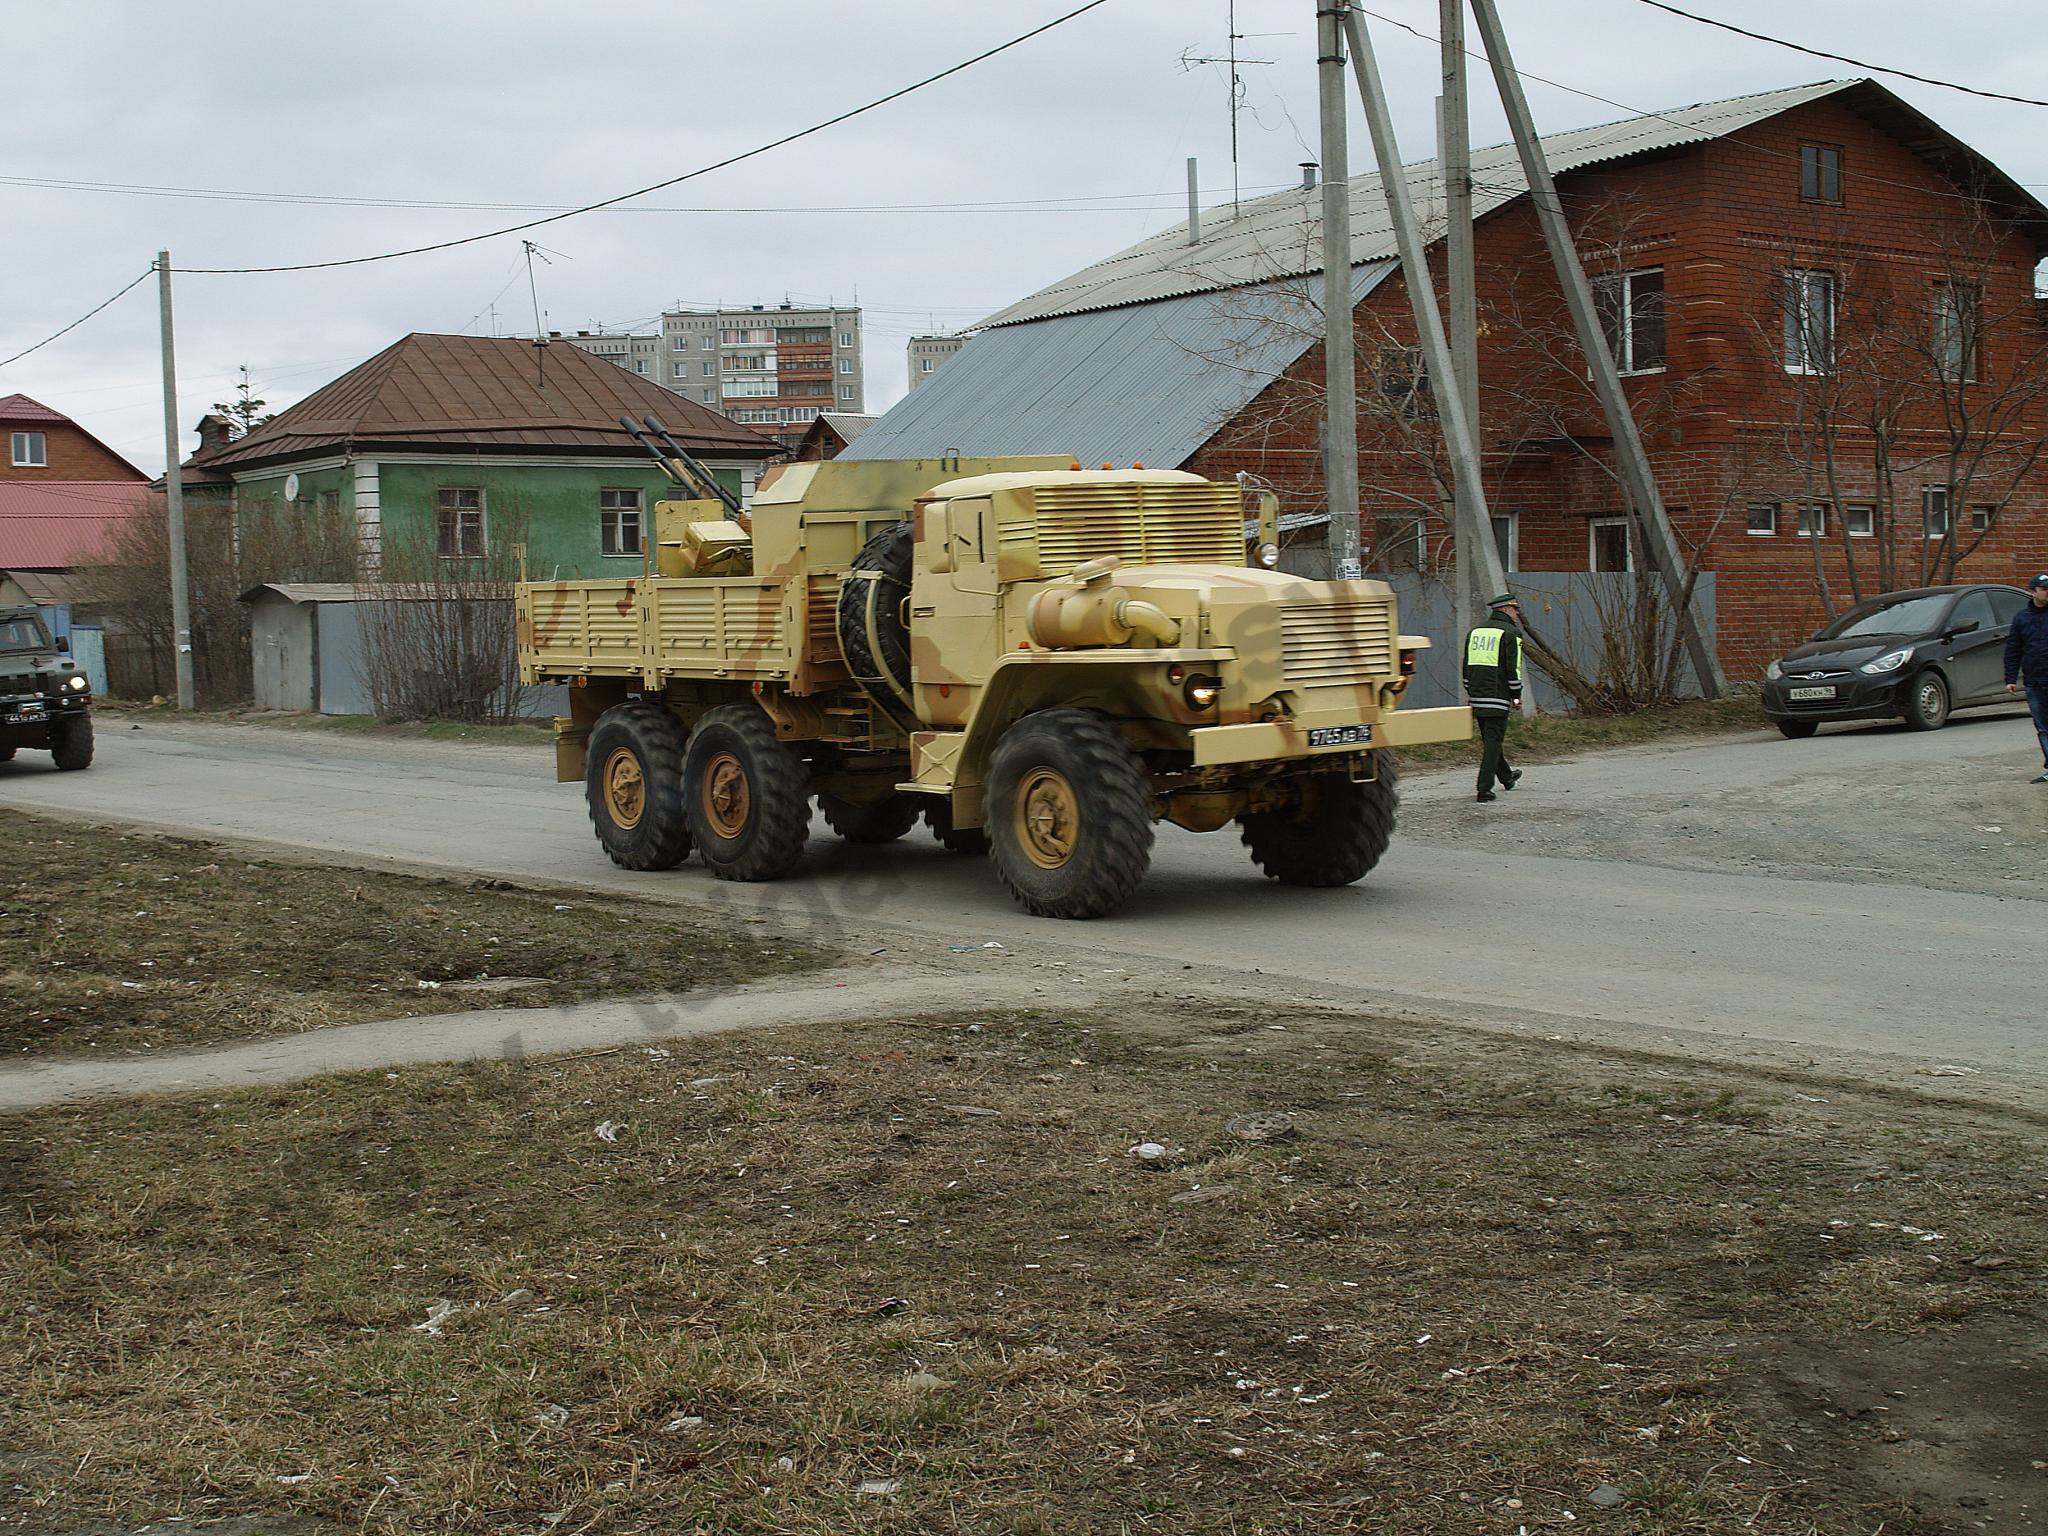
[748,796]
[71,742]
[1331,831]
[633,784]
[1069,820]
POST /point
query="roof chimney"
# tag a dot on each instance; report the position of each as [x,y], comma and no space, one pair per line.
[1308,175]
[215,431]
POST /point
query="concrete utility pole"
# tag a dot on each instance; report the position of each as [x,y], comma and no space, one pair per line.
[1454,132]
[174,493]
[1645,505]
[1340,380]
[1475,528]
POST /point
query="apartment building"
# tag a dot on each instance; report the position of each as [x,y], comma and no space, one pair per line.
[639,355]
[925,354]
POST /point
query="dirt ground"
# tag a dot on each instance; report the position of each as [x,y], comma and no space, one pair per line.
[130,942]
[915,1277]
[1948,825]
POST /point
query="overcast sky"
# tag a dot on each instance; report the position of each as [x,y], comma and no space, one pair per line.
[1078,136]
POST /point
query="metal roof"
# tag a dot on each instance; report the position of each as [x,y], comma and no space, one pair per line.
[471,394]
[57,524]
[1146,383]
[364,592]
[15,408]
[1280,235]
[848,424]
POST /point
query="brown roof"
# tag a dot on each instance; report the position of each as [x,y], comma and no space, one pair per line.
[482,394]
[19,410]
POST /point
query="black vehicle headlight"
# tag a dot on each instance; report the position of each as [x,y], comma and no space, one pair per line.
[76,682]
[1203,692]
[1890,661]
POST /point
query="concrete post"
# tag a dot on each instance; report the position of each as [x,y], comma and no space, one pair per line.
[1455,157]
[174,494]
[1340,380]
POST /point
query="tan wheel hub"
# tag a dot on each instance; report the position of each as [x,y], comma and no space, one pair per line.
[1048,816]
[625,790]
[728,801]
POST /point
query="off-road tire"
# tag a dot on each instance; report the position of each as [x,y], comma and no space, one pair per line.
[1335,833]
[873,636]
[1927,702]
[970,841]
[1797,730]
[747,795]
[6,754]
[871,821]
[1085,861]
[644,740]
[71,742]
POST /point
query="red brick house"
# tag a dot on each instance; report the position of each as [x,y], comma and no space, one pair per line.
[63,496]
[1823,302]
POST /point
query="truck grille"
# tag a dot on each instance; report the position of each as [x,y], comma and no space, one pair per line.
[1139,524]
[1337,642]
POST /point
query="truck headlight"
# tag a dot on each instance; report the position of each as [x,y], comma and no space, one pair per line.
[1203,692]
[76,682]
[1890,661]
[1269,556]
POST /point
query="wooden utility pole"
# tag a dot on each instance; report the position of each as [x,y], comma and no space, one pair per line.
[174,493]
[1340,381]
[1645,504]
[1475,528]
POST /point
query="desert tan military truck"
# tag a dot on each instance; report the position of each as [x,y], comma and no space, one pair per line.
[1040,661]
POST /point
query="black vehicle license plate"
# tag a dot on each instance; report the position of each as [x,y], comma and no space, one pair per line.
[26,713]
[1804,694]
[1339,735]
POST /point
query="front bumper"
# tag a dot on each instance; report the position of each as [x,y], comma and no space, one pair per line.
[1856,697]
[27,722]
[1270,740]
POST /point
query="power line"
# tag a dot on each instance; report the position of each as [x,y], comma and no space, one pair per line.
[703,170]
[74,325]
[1842,58]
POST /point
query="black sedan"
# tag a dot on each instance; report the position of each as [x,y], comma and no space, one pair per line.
[1907,655]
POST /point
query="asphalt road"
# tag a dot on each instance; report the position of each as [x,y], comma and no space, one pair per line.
[1891,981]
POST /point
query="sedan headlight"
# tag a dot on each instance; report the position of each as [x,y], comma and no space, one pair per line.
[1774,672]
[76,682]
[1890,661]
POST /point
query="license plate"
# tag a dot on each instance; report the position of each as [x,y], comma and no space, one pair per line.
[26,714]
[1812,693]
[1339,735]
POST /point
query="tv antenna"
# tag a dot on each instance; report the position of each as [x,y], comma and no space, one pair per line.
[1189,61]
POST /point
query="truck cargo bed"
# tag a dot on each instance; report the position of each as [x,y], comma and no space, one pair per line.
[741,627]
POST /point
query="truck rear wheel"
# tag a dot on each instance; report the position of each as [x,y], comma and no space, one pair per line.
[71,742]
[1333,833]
[872,821]
[633,784]
[748,796]
[971,841]
[1069,820]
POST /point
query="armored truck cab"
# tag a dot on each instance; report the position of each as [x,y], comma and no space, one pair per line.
[45,700]
[1040,661]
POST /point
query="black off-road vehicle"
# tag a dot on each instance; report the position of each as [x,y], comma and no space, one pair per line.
[45,701]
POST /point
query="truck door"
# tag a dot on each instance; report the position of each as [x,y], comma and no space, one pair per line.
[954,630]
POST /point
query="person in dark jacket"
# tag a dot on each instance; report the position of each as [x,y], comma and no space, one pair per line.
[1493,687]
[2026,654]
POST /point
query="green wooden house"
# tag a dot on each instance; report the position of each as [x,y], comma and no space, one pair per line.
[445,451]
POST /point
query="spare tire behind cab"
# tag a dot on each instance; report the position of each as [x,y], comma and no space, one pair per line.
[874,636]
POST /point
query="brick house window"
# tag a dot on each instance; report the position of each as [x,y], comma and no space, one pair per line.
[459,519]
[1763,519]
[1399,542]
[1607,544]
[618,522]
[1813,522]
[1934,511]
[1955,331]
[1403,381]
[1820,173]
[1507,538]
[30,450]
[1631,306]
[1809,303]
[1981,519]
[1860,521]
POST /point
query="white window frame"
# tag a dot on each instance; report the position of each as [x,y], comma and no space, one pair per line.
[1749,522]
[846,393]
[1934,498]
[1868,517]
[1797,289]
[612,514]
[482,511]
[1955,329]
[1511,554]
[1621,286]
[1980,517]
[846,365]
[679,344]
[846,338]
[711,397]
[1810,521]
[679,370]
[29,450]
[1628,545]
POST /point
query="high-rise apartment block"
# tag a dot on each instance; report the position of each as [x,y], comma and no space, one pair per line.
[926,353]
[773,369]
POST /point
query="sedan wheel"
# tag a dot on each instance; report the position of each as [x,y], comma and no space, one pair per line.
[1927,707]
[1797,730]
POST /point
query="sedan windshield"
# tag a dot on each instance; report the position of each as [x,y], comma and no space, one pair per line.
[1914,616]
[23,635]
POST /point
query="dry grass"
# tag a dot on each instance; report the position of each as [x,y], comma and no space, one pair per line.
[1457,1301]
[113,941]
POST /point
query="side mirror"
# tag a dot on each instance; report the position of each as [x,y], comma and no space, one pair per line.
[1967,627]
[64,644]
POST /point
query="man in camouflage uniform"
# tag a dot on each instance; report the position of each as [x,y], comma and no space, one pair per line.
[1493,687]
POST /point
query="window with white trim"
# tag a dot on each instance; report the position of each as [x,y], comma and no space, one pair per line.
[846,365]
[1955,331]
[1860,521]
[618,522]
[1981,519]
[1607,545]
[1631,306]
[1763,519]
[679,370]
[1507,539]
[680,343]
[1809,299]
[1813,522]
[1934,511]
[846,393]
[30,450]
[846,338]
[459,518]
